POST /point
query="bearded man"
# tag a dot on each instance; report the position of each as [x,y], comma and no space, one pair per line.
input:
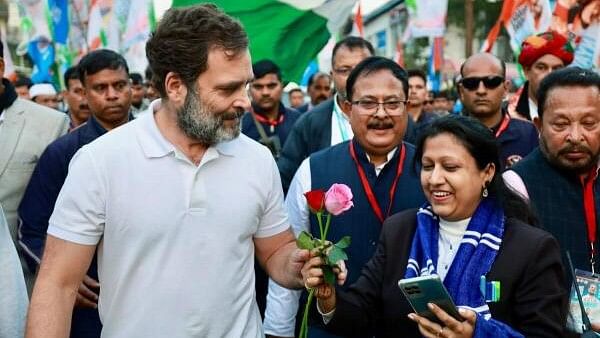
[176,241]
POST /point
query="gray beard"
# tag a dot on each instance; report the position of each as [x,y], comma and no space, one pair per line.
[197,122]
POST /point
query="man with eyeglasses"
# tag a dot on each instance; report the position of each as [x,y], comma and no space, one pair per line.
[377,166]
[482,88]
[540,55]
[327,124]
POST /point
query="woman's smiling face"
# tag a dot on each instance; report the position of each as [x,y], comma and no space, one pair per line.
[450,177]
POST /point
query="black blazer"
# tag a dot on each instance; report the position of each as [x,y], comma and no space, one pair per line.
[533,299]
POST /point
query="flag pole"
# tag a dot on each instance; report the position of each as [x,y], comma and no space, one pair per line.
[469,24]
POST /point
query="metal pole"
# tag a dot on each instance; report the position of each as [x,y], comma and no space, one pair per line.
[469,25]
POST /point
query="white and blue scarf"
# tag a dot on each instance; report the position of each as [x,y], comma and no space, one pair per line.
[474,258]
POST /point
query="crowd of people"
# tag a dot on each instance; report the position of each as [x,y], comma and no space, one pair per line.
[169,204]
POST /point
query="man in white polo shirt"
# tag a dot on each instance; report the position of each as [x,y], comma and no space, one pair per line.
[176,241]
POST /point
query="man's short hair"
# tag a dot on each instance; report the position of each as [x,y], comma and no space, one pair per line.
[316,76]
[351,43]
[264,67]
[183,39]
[136,78]
[374,64]
[565,77]
[71,74]
[99,60]
[23,81]
[417,73]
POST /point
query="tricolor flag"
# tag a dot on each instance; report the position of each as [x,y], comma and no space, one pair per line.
[289,32]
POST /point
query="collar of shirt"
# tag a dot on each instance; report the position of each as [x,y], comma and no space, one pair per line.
[340,124]
[379,168]
[454,229]
[533,110]
[154,144]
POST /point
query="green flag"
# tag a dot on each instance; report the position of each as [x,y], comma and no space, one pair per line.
[289,32]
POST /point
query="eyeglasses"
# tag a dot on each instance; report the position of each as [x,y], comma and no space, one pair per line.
[490,82]
[392,107]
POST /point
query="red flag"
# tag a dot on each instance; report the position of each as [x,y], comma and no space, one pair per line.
[358,21]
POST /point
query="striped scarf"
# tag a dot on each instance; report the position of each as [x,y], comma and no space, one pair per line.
[474,258]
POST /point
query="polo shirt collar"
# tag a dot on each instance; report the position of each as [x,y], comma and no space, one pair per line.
[154,144]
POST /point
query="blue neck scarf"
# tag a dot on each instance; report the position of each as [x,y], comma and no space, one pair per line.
[474,258]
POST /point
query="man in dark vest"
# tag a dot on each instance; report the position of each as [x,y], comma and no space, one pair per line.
[560,178]
[482,87]
[540,54]
[376,164]
[327,125]
[105,78]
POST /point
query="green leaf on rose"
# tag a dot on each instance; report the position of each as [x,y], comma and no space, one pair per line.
[343,243]
[335,255]
[305,241]
[328,274]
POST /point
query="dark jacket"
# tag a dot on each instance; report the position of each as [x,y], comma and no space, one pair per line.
[37,206]
[517,141]
[282,129]
[311,133]
[528,265]
[557,198]
[303,108]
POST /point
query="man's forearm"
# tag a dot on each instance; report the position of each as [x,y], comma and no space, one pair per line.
[284,269]
[50,311]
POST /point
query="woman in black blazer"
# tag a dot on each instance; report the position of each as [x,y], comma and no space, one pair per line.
[472,226]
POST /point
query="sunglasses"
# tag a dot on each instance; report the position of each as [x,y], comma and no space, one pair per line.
[490,82]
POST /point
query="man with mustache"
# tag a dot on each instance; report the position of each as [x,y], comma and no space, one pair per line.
[376,164]
[327,124]
[319,90]
[269,121]
[177,202]
[540,54]
[106,89]
[482,88]
[77,106]
[560,179]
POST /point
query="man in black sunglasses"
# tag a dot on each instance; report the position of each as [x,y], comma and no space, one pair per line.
[482,88]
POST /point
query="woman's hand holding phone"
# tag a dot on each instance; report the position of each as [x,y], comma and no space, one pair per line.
[451,328]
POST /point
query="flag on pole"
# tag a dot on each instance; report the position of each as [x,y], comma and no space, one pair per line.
[521,19]
[59,13]
[289,32]
[358,28]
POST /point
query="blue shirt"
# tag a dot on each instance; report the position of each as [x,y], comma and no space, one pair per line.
[37,206]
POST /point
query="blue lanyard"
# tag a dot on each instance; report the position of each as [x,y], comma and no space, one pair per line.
[340,123]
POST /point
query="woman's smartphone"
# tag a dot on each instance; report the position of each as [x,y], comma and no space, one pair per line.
[428,289]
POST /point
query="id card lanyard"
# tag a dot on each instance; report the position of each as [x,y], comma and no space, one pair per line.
[367,186]
[339,116]
[589,206]
[503,125]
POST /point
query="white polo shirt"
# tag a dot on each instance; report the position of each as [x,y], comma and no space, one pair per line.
[175,240]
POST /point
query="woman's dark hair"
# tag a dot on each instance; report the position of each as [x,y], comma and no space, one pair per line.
[483,147]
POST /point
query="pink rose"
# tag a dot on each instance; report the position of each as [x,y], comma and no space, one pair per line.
[338,199]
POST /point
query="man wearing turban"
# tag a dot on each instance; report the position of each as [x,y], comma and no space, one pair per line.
[540,54]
